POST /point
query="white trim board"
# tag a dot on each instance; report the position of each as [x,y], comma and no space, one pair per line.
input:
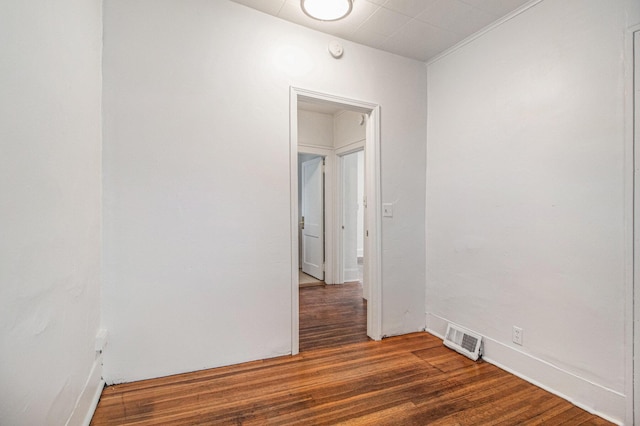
[594,398]
[314,149]
[351,147]
[632,223]
[88,399]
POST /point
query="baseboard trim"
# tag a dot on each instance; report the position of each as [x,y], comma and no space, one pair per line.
[88,399]
[591,397]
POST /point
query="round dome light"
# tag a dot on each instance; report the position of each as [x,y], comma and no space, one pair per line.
[326,10]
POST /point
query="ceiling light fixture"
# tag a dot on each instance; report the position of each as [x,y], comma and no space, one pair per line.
[327,10]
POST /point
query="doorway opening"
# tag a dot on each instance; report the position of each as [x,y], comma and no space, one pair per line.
[336,266]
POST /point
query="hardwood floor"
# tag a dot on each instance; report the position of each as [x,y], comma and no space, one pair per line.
[332,315]
[405,380]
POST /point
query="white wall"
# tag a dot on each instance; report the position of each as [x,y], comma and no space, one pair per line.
[315,128]
[196,180]
[525,195]
[50,83]
[348,129]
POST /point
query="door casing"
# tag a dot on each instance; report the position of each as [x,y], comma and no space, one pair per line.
[632,223]
[373,224]
[633,128]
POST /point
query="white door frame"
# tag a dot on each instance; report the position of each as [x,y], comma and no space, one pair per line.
[373,224]
[632,223]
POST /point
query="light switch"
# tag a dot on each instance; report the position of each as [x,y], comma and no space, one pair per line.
[387,210]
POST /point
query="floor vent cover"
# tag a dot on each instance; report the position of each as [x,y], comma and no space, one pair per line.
[463,341]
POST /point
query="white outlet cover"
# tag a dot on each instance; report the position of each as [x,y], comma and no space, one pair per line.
[517,335]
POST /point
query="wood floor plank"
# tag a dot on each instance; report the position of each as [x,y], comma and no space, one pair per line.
[342,377]
[333,315]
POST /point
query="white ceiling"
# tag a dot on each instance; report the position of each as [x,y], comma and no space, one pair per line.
[418,29]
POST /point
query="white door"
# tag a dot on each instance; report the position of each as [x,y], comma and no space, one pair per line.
[312,223]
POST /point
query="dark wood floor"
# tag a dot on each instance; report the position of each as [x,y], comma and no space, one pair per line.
[332,315]
[405,380]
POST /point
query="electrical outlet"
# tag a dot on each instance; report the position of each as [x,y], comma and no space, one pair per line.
[517,335]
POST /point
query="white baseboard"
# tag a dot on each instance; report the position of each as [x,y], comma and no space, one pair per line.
[594,398]
[88,399]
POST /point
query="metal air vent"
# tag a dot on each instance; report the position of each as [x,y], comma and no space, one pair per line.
[463,341]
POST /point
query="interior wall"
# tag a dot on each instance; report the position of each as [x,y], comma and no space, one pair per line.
[196,180]
[525,195]
[315,128]
[50,85]
[349,128]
